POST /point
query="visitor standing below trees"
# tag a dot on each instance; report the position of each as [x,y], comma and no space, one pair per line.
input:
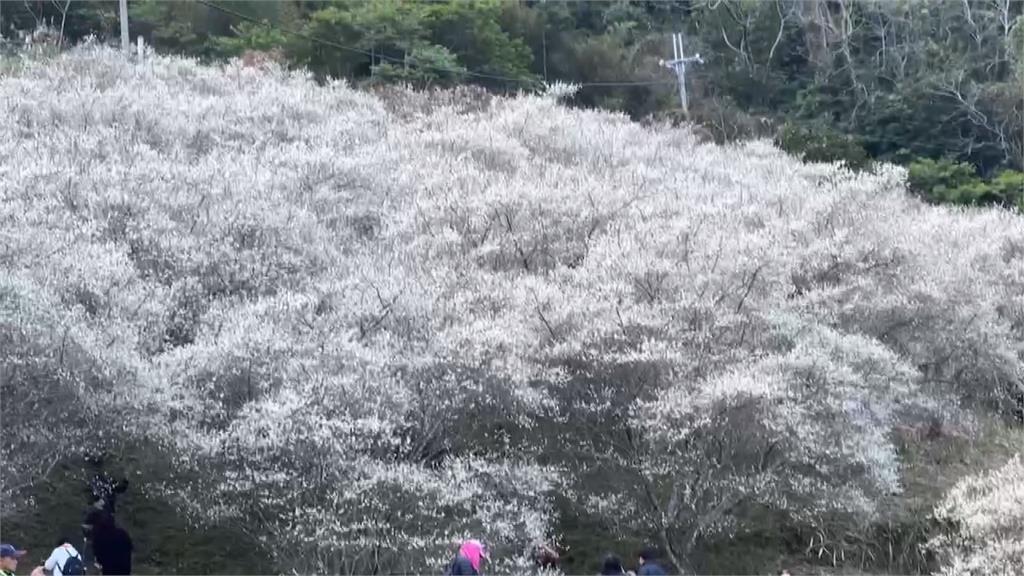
[648,563]
[469,559]
[65,560]
[112,547]
[612,566]
[9,555]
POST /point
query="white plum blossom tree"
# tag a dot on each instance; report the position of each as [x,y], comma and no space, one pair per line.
[362,329]
[983,517]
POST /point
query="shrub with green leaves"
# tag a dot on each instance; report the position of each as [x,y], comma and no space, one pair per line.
[817,143]
[952,182]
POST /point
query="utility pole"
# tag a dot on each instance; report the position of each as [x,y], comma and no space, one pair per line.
[124,25]
[678,64]
[544,42]
[544,48]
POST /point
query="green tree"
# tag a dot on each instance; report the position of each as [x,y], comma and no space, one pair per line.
[948,181]
[426,65]
[350,39]
[471,31]
[819,143]
[185,27]
[250,36]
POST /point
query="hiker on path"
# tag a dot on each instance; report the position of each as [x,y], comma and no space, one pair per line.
[649,566]
[65,560]
[469,560]
[9,555]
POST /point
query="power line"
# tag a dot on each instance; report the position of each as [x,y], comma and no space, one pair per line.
[677,42]
[472,73]
[365,52]
[626,83]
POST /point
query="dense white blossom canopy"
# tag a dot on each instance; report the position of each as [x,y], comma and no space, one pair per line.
[364,328]
[985,517]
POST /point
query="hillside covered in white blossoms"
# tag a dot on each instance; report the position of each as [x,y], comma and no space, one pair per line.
[359,328]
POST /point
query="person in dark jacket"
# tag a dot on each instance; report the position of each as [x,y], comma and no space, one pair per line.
[112,547]
[612,566]
[469,560]
[649,566]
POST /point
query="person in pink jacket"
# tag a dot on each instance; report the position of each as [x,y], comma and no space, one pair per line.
[468,562]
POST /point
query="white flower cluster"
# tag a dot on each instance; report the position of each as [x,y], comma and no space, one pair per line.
[984,515]
[363,334]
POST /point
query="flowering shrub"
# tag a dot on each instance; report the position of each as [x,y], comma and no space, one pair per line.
[363,332]
[984,515]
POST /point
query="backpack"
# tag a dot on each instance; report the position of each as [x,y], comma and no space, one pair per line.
[73,566]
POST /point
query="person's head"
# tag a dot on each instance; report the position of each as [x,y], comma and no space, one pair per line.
[475,552]
[62,541]
[611,564]
[647,555]
[9,555]
[98,519]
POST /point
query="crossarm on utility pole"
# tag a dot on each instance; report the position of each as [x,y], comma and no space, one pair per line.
[678,64]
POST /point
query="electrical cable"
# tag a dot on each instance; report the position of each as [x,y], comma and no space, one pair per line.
[472,73]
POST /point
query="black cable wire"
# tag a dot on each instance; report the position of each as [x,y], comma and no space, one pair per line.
[472,73]
[353,49]
[627,83]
